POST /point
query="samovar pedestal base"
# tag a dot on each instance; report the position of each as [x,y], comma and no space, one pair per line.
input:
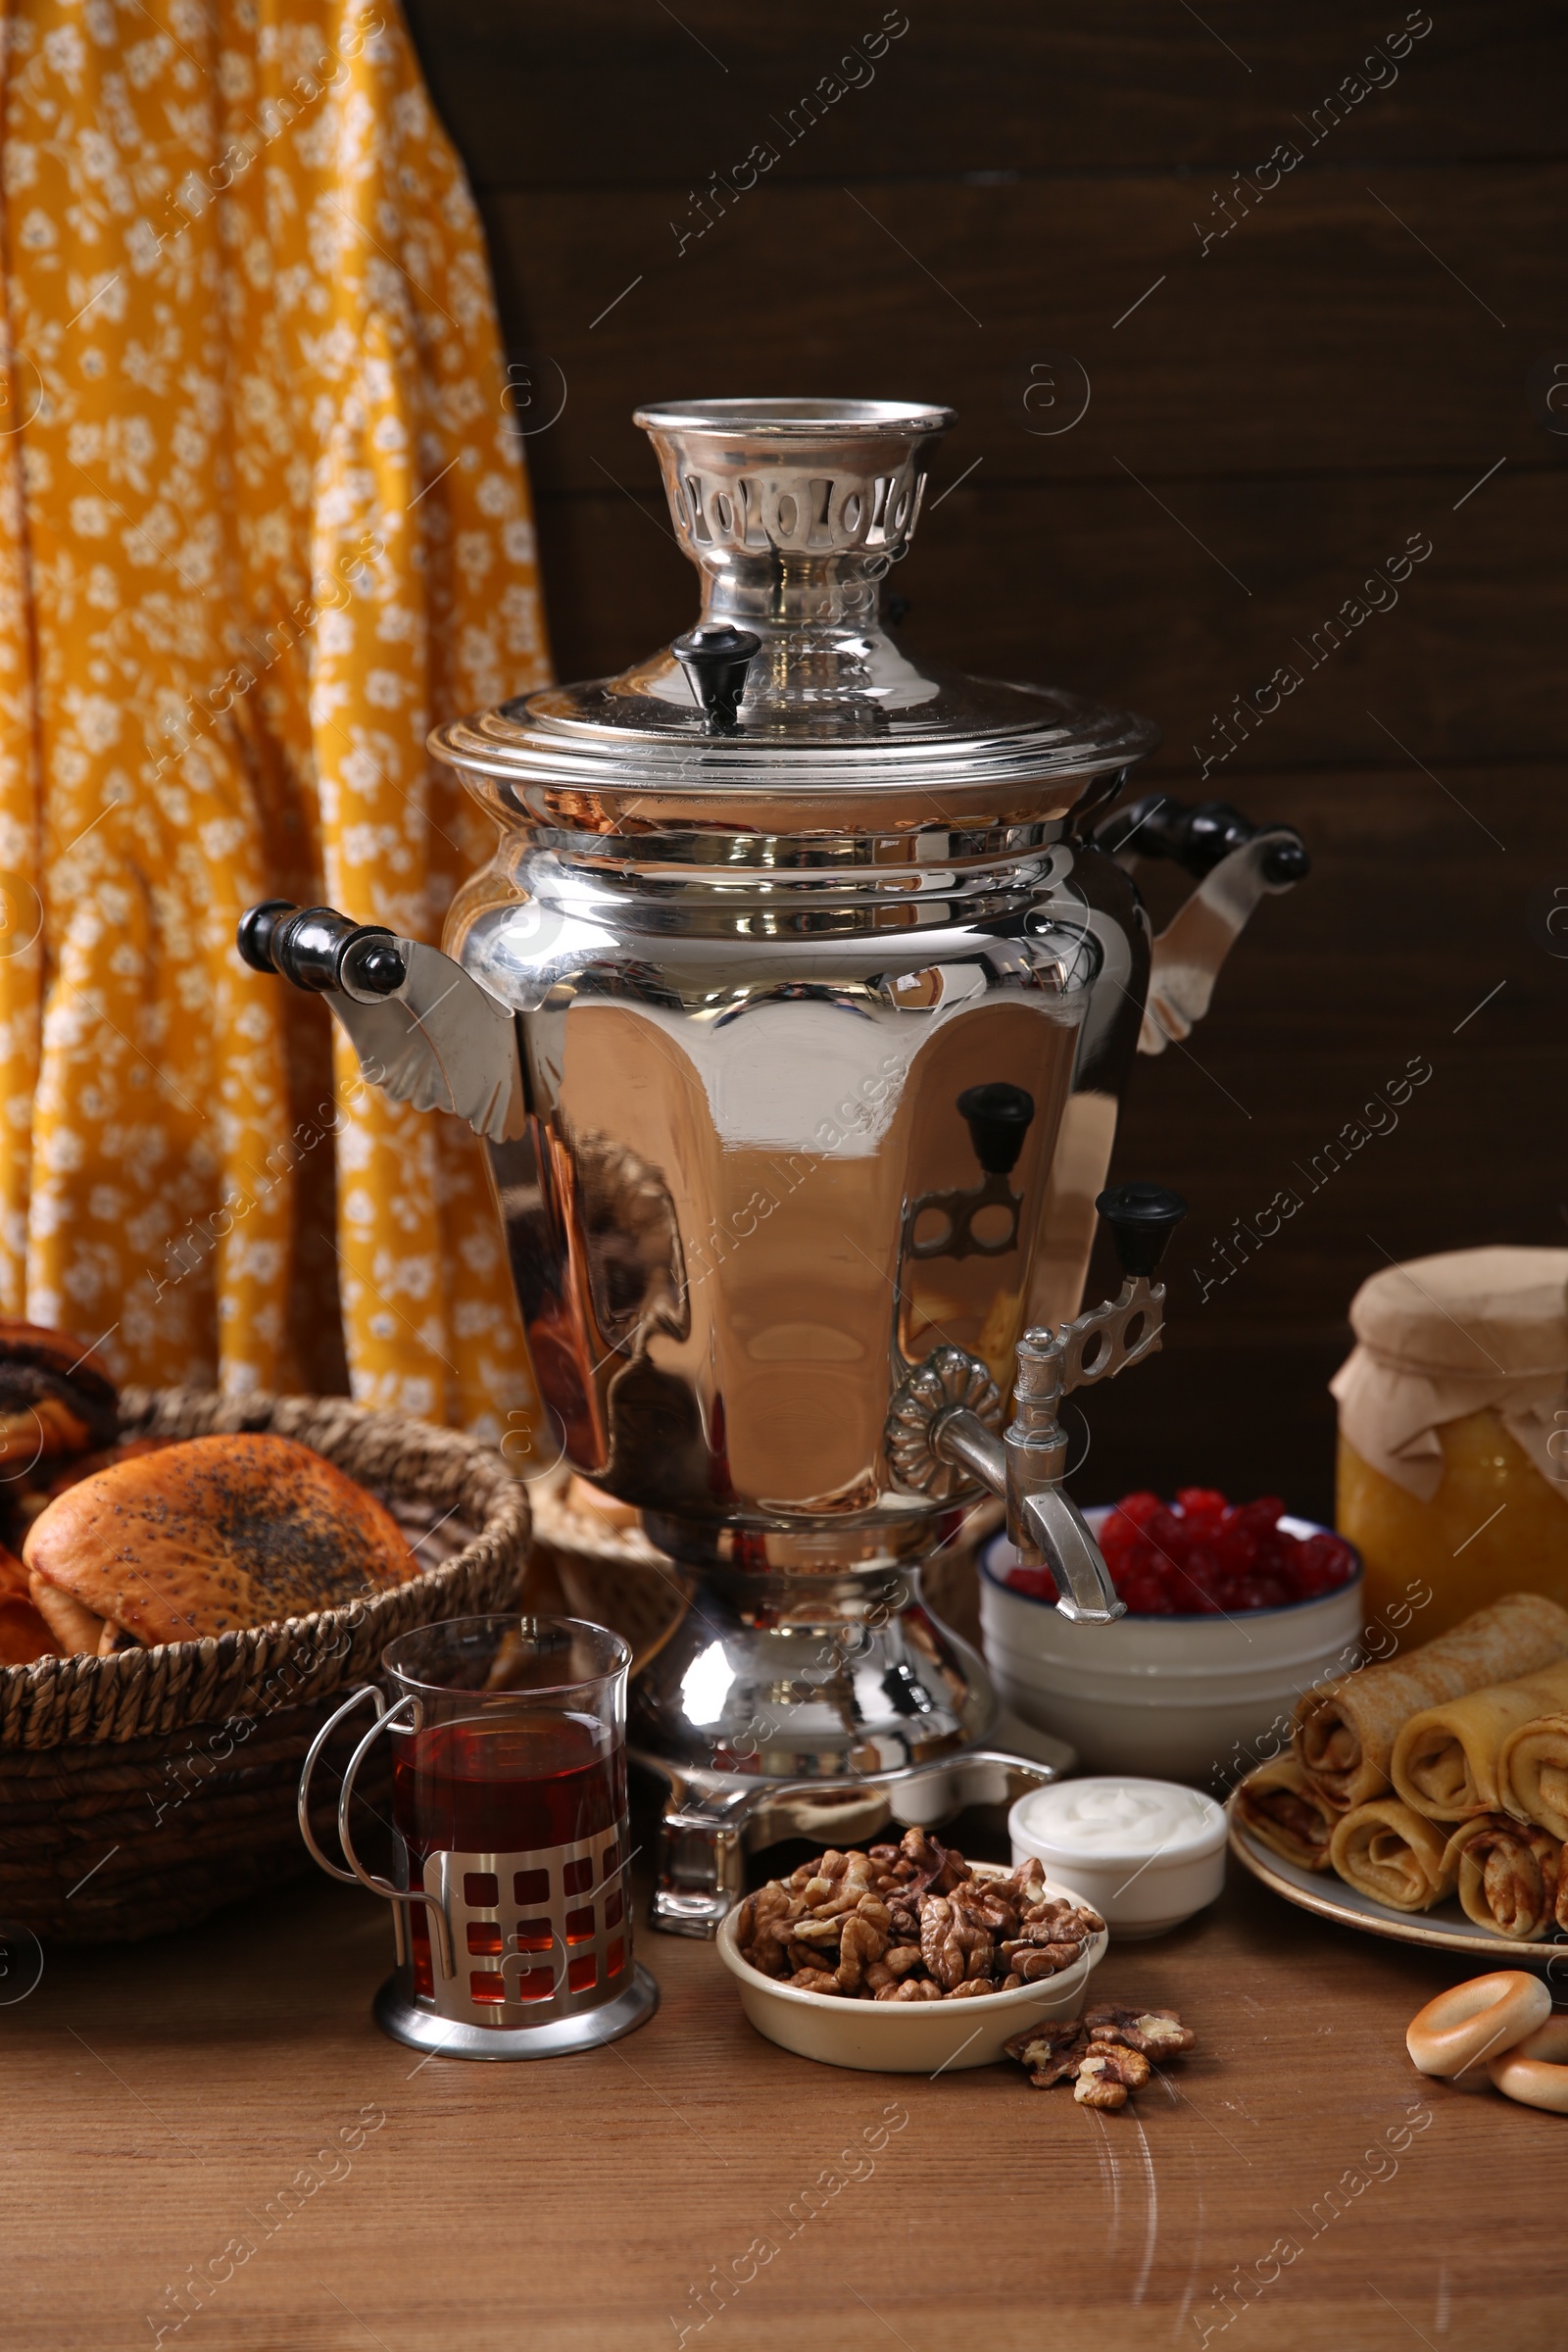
[828,1704]
[711,1822]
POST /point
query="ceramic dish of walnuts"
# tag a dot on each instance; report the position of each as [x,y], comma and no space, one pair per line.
[907,1958]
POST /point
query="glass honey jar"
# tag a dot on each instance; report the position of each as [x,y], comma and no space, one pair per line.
[1454,1433]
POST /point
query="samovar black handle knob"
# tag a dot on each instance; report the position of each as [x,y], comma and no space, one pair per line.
[316,947]
[1142,1219]
[1197,838]
[716,659]
[997,1117]
[1287,860]
[257,927]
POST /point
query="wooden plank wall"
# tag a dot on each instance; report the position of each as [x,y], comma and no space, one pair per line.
[1355,356]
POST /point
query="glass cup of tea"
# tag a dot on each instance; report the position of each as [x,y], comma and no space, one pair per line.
[512,1902]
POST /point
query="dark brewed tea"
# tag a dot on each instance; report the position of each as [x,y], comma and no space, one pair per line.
[506,1785]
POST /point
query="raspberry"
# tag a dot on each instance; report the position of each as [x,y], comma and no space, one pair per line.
[1118,1538]
[1263,1592]
[1201,1505]
[1038,1583]
[1325,1561]
[1202,1555]
[1140,1508]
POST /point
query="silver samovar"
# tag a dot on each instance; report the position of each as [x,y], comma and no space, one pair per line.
[794,1008]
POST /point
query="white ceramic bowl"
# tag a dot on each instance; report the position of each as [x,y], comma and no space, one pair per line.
[1147,1853]
[1200,1700]
[906,2038]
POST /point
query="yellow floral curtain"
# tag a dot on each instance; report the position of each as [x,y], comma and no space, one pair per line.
[263,521]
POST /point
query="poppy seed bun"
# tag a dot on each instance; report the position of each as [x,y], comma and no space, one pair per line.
[215,1533]
[12,1575]
[25,1638]
[56,1396]
[24,1633]
[74,1632]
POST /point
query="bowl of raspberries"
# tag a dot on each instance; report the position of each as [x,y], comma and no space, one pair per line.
[1233,1609]
[909,1959]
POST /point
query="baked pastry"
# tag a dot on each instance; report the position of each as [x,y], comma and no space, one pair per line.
[1533,1774]
[591,1502]
[1534,2071]
[203,1537]
[25,1497]
[1507,1874]
[24,1633]
[87,1465]
[1444,1761]
[1346,1730]
[1487,2015]
[1385,1850]
[56,1396]
[1281,1808]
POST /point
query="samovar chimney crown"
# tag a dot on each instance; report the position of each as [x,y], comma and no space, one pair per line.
[794,511]
[806,479]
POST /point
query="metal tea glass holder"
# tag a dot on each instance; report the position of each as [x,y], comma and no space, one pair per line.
[502,1950]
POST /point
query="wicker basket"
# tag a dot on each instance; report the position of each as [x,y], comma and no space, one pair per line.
[139,1793]
[586,1566]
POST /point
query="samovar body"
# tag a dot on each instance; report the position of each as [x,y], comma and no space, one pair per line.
[793,1007]
[749,1199]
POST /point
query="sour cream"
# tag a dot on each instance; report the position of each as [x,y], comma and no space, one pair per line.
[1147,1854]
[1128,1819]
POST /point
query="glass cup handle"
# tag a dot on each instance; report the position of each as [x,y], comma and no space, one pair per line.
[363,1690]
[350,1878]
[386,1717]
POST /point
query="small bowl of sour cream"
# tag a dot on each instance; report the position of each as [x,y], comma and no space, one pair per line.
[1146,1853]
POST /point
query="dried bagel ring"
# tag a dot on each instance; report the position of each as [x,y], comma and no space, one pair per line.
[1480,2019]
[1535,2072]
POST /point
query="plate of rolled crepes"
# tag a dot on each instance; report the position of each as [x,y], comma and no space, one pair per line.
[1426,1798]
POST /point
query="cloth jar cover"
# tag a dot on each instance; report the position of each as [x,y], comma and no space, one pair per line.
[1451,1335]
[263,521]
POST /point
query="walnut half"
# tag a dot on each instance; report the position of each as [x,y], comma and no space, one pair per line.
[1100,2082]
[1158,2033]
[1105,2053]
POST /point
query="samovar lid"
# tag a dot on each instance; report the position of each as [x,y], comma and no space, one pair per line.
[790,687]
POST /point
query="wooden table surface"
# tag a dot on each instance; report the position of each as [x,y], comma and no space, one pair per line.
[219,2105]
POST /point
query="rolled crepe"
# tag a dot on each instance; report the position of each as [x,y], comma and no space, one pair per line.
[1282,1810]
[1508,1875]
[1533,1774]
[1345,1729]
[1445,1760]
[1396,1856]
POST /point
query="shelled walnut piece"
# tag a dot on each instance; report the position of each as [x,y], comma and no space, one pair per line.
[909,1923]
[1105,2052]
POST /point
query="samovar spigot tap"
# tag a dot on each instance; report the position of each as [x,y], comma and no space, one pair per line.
[945,1411]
